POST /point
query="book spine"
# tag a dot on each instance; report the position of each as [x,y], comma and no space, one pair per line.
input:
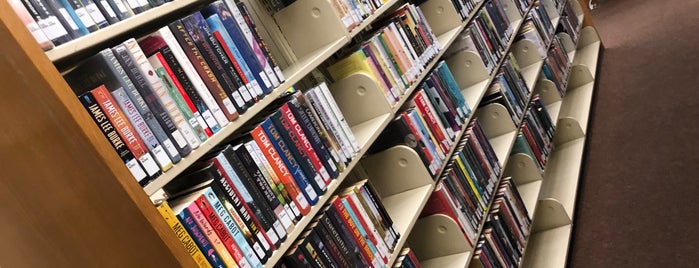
[313,137]
[166,100]
[252,82]
[343,236]
[142,129]
[200,239]
[101,12]
[226,260]
[244,40]
[435,127]
[138,6]
[189,245]
[81,14]
[362,243]
[329,121]
[327,139]
[330,101]
[151,99]
[367,226]
[183,83]
[257,185]
[322,248]
[201,89]
[140,104]
[305,142]
[75,28]
[273,181]
[207,75]
[330,244]
[224,186]
[280,169]
[189,112]
[251,23]
[112,135]
[371,201]
[242,181]
[122,12]
[234,90]
[47,21]
[291,163]
[296,148]
[220,230]
[125,130]
[31,25]
[235,232]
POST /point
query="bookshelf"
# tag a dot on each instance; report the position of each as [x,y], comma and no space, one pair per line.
[94,205]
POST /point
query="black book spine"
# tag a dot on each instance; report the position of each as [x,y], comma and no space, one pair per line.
[347,236]
[296,148]
[314,138]
[106,10]
[124,57]
[109,132]
[261,184]
[47,20]
[330,244]
[83,14]
[310,251]
[233,203]
[296,258]
[65,18]
[119,9]
[343,247]
[192,26]
[385,217]
[322,249]
[261,209]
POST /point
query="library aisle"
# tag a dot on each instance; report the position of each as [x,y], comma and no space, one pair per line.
[638,198]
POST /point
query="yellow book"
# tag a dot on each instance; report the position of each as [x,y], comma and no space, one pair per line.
[189,245]
[470,181]
[352,64]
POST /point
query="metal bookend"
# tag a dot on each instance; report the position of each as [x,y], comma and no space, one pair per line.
[522,168]
[495,119]
[468,68]
[395,170]
[360,99]
[437,236]
[309,25]
[441,16]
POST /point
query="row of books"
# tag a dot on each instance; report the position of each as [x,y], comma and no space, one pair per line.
[430,120]
[537,28]
[522,5]
[535,137]
[487,35]
[556,65]
[266,180]
[55,22]
[509,89]
[569,23]
[352,230]
[468,183]
[407,259]
[506,230]
[394,56]
[173,89]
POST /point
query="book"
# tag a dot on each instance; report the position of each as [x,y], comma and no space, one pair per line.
[149,100]
[157,86]
[111,134]
[180,34]
[280,169]
[186,217]
[33,27]
[189,245]
[47,21]
[181,78]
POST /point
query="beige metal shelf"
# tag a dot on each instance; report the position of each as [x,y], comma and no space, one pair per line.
[548,249]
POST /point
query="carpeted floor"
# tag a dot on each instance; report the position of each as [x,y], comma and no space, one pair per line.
[638,199]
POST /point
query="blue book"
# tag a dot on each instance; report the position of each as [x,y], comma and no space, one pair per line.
[416,121]
[214,22]
[233,229]
[82,29]
[239,41]
[453,88]
[290,162]
[203,243]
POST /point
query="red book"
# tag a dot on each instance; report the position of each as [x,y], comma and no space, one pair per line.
[185,96]
[258,134]
[428,113]
[368,226]
[438,203]
[417,135]
[347,220]
[125,129]
[221,231]
[307,146]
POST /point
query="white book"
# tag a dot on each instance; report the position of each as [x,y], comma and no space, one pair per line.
[329,120]
[341,118]
[149,74]
[214,111]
